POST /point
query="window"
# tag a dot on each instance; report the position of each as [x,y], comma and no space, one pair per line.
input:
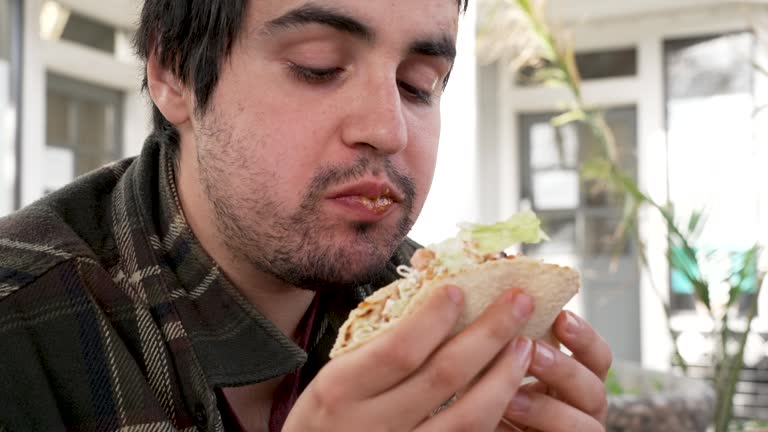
[710,105]
[10,43]
[595,65]
[59,23]
[5,30]
[83,129]
[581,220]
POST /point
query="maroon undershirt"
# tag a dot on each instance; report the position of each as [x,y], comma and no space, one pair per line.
[286,393]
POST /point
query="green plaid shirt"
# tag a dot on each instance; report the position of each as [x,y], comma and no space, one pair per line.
[113,317]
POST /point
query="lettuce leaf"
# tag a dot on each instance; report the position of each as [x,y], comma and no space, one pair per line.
[523,227]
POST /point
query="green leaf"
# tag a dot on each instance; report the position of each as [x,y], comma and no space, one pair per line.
[695,220]
[596,169]
[683,259]
[612,385]
[571,116]
[549,76]
[743,278]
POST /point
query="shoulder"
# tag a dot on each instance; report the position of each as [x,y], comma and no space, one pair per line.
[71,226]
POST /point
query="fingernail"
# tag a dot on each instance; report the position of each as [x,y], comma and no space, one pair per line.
[522,349]
[544,356]
[521,403]
[455,294]
[572,324]
[522,304]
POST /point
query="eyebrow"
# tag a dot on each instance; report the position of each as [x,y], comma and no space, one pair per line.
[311,13]
[441,47]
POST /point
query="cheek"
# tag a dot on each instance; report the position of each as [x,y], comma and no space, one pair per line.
[265,155]
[422,156]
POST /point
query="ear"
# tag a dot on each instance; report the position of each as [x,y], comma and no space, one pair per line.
[167,92]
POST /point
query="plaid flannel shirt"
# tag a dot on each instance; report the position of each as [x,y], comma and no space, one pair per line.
[113,317]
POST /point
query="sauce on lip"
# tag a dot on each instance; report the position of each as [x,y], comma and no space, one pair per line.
[378,205]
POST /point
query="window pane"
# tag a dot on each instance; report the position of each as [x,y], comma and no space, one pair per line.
[96,135]
[554,148]
[58,22]
[600,236]
[553,157]
[607,64]
[709,66]
[5,31]
[623,123]
[83,128]
[88,32]
[593,65]
[59,130]
[556,189]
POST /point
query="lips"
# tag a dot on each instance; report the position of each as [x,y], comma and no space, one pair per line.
[368,198]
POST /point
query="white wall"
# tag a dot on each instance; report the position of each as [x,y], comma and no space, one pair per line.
[454,194]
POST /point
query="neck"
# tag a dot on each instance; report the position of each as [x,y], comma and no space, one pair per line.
[282,304]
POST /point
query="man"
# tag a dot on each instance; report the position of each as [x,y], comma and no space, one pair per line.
[200,286]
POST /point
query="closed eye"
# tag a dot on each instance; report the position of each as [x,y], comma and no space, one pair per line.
[315,75]
[415,93]
[318,76]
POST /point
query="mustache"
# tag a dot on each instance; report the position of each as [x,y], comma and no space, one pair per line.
[328,176]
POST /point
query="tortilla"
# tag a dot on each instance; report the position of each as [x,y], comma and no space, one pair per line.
[550,285]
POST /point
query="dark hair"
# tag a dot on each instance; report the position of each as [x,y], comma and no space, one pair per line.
[192,38]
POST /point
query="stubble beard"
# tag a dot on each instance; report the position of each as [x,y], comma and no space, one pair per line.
[303,248]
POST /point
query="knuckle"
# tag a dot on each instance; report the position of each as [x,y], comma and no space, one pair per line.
[401,358]
[443,374]
[599,403]
[328,400]
[501,330]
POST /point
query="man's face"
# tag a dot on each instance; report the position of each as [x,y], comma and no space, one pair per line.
[319,144]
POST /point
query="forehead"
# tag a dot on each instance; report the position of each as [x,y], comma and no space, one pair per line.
[388,18]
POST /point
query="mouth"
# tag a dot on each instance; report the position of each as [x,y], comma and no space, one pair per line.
[378,204]
[369,199]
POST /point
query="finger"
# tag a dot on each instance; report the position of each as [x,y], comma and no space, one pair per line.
[541,412]
[400,350]
[536,386]
[570,380]
[481,408]
[507,426]
[587,346]
[463,357]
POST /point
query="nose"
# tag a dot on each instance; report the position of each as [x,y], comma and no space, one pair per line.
[376,118]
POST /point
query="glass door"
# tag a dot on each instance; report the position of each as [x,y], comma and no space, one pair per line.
[582,220]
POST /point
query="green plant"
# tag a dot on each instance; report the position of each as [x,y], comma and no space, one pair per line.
[553,63]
